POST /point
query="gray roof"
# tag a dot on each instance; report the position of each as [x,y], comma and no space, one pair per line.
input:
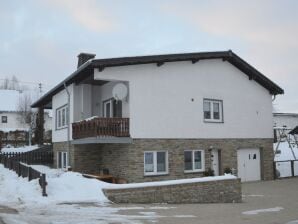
[86,70]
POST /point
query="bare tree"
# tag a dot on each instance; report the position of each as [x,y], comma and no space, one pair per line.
[5,84]
[14,83]
[24,108]
[27,115]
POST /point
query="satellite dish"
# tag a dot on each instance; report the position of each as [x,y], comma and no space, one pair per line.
[119,91]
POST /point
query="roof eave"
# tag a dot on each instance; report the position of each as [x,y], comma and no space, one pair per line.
[45,99]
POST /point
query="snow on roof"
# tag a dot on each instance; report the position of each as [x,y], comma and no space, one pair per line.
[9,99]
[285,151]
[20,149]
[6,130]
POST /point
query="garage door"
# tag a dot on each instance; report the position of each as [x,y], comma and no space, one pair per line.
[249,164]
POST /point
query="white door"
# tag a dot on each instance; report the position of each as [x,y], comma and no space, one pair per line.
[249,164]
[62,160]
[108,108]
[215,162]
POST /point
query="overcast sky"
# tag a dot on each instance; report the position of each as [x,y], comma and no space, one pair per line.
[40,40]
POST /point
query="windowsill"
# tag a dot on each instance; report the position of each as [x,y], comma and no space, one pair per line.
[213,121]
[156,174]
[194,171]
[61,128]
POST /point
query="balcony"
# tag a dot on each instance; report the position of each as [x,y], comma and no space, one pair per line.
[101,130]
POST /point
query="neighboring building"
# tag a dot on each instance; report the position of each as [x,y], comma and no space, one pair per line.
[12,123]
[181,115]
[288,120]
[283,123]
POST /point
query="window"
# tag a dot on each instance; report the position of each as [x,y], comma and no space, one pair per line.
[213,110]
[4,119]
[62,117]
[112,108]
[62,158]
[155,163]
[194,160]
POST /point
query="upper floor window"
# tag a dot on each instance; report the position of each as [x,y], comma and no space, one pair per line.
[4,119]
[213,110]
[62,117]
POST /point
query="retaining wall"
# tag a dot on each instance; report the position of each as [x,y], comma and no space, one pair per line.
[219,191]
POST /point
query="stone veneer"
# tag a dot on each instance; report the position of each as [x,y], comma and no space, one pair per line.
[127,160]
[219,191]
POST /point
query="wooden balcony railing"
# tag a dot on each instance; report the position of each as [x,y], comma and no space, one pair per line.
[116,127]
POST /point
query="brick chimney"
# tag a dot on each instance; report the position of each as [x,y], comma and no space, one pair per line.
[83,57]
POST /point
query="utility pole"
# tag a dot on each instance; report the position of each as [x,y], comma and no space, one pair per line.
[40,88]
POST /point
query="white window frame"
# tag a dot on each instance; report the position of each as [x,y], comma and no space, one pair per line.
[60,117]
[110,101]
[193,161]
[60,160]
[212,119]
[155,173]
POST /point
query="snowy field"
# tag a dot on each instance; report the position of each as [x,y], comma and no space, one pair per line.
[285,154]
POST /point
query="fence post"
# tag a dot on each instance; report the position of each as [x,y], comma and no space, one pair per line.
[29,173]
[292,168]
[43,184]
[10,164]
[19,169]
[274,170]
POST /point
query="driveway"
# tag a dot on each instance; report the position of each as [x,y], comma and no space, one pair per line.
[263,202]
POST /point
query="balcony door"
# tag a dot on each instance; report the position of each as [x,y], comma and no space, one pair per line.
[112,108]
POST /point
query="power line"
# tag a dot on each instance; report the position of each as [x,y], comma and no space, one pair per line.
[32,83]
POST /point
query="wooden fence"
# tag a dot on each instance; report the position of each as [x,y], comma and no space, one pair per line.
[16,162]
[44,158]
[285,168]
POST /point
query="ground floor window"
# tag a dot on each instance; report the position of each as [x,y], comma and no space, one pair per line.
[62,160]
[194,160]
[155,163]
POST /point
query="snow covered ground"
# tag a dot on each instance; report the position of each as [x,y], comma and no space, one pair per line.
[71,199]
[62,187]
[67,191]
[285,154]
[20,149]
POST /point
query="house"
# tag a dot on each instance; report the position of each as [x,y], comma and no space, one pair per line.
[283,123]
[163,117]
[288,120]
[13,125]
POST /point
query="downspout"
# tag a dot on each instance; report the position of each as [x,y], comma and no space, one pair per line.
[274,96]
[68,126]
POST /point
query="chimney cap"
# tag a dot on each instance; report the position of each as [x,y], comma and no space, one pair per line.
[86,54]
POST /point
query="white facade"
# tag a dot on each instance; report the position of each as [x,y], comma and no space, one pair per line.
[14,122]
[167,101]
[10,101]
[60,100]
